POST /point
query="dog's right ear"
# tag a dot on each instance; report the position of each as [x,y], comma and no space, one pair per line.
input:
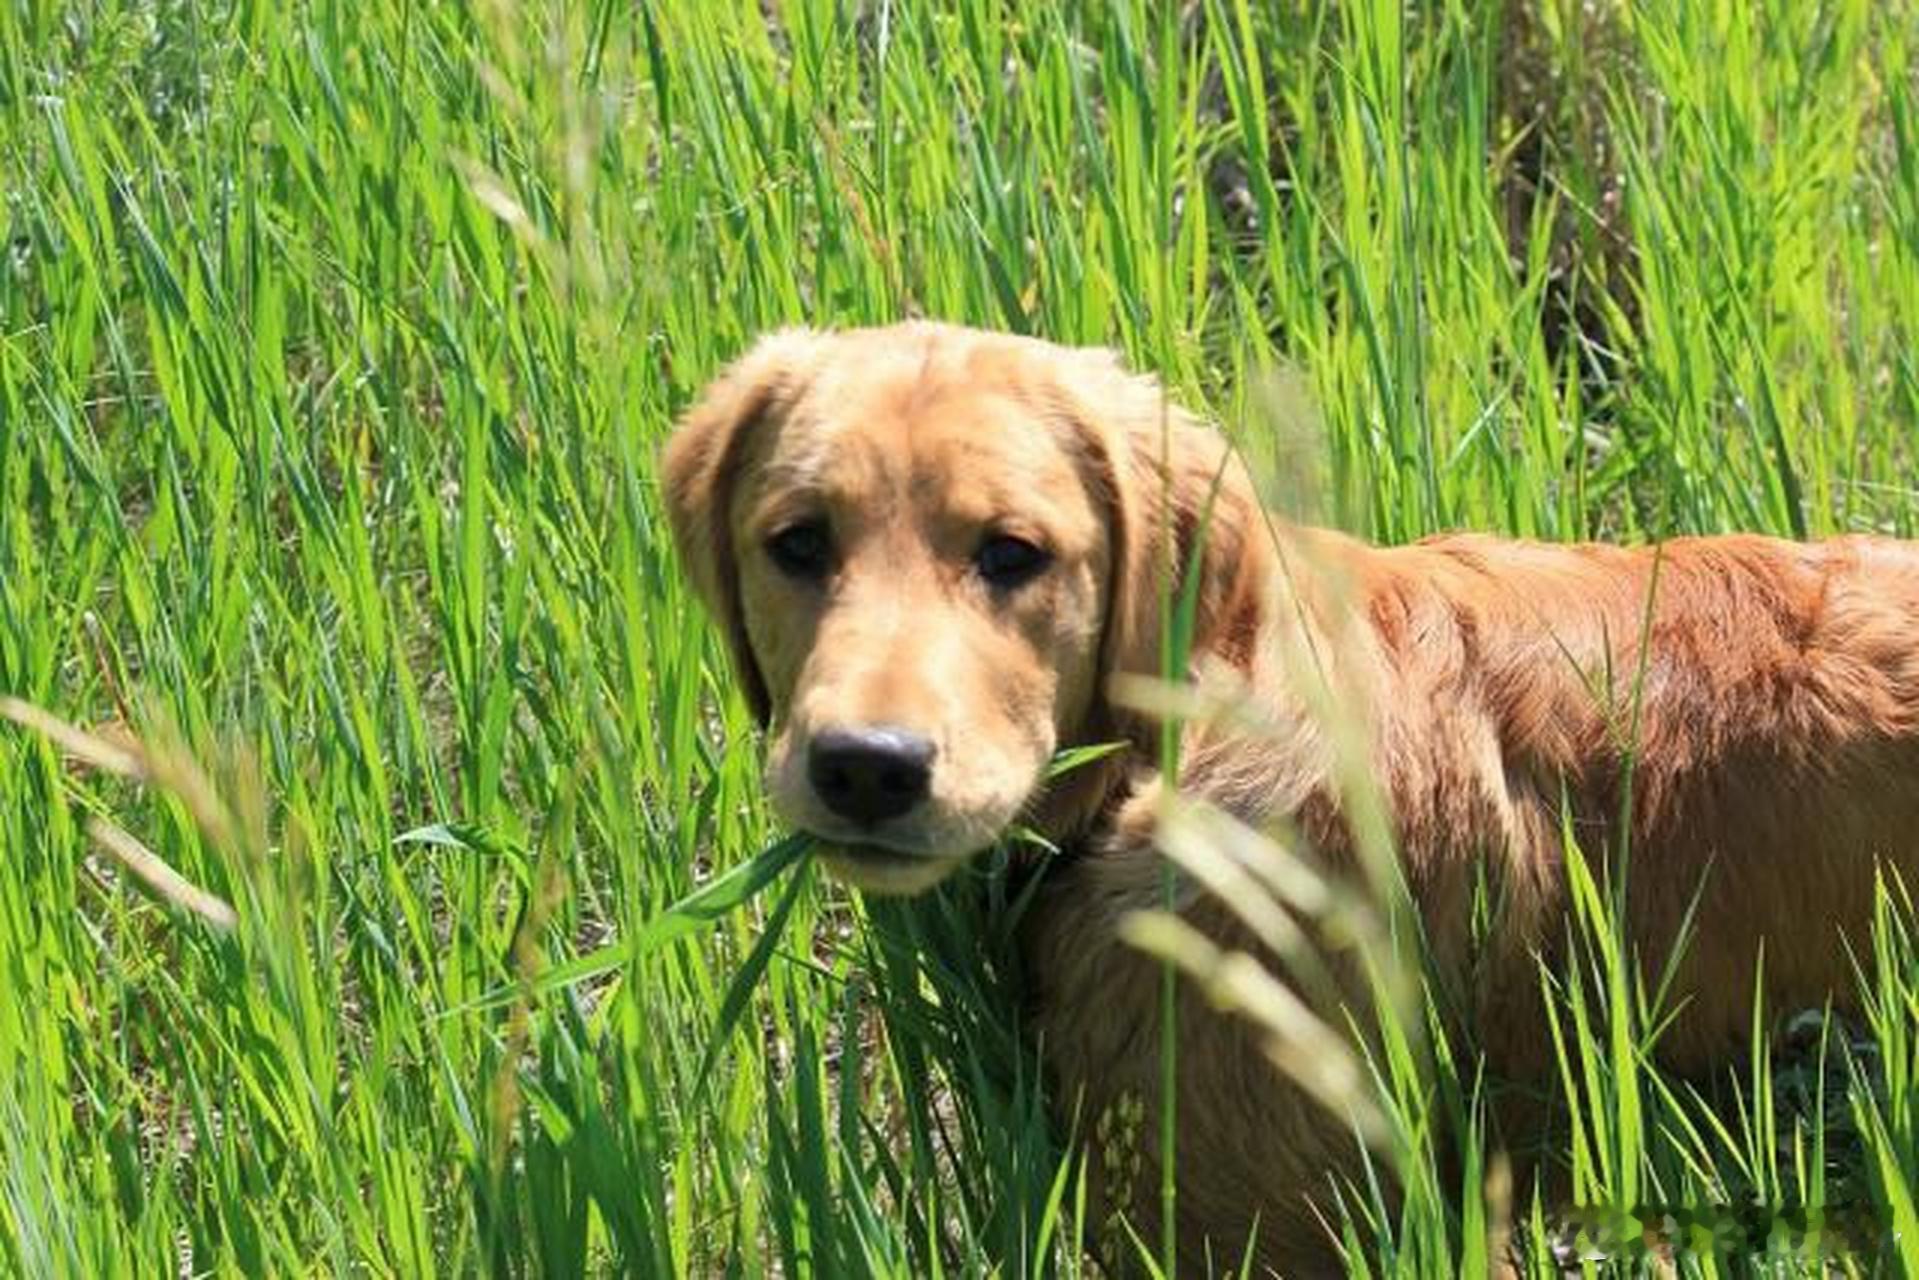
[698,468]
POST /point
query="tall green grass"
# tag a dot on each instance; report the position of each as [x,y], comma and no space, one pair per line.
[336,345]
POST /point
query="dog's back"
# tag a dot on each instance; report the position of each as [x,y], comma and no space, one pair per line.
[1751,703]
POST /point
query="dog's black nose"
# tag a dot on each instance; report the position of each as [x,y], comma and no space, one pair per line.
[870,775]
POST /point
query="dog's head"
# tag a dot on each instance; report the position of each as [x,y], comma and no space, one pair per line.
[929,547]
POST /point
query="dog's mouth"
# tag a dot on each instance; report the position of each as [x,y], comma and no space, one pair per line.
[858,852]
[861,853]
[885,869]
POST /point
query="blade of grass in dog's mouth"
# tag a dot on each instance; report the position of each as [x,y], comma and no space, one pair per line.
[727,893]
[1070,758]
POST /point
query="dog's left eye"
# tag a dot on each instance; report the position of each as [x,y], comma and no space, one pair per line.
[1005,561]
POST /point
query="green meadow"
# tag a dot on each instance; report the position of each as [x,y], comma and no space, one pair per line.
[384,884]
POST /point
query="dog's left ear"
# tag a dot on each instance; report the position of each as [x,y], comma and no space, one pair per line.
[698,468]
[1183,518]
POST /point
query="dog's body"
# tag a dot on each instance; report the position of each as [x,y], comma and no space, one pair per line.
[932,548]
[1777,762]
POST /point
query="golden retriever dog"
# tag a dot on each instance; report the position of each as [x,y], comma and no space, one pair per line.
[931,549]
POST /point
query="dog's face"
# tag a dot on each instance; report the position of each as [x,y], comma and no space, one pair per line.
[920,540]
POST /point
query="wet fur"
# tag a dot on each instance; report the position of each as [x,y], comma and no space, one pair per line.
[1772,729]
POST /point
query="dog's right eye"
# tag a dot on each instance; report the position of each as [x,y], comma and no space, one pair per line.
[801,550]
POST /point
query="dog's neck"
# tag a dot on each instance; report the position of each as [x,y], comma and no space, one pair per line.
[1307,610]
[1078,803]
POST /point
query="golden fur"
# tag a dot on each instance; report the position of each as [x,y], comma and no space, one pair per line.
[1775,738]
